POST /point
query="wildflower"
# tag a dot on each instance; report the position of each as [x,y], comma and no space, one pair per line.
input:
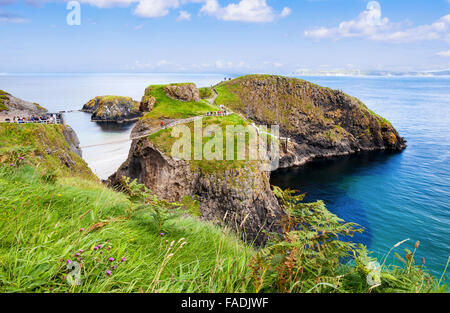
[114,267]
[109,248]
[81,230]
[124,259]
[77,254]
[108,272]
[21,158]
[99,246]
[69,262]
[81,251]
[95,248]
[162,234]
[111,259]
[11,164]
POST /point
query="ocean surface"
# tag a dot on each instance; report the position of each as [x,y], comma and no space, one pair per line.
[393,196]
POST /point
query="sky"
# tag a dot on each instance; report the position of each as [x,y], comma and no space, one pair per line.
[224,36]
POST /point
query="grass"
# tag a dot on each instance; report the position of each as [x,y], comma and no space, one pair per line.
[164,141]
[44,146]
[205,93]
[3,96]
[40,230]
[168,108]
[44,223]
[226,96]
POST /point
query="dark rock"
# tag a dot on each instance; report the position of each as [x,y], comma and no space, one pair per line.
[183,92]
[113,109]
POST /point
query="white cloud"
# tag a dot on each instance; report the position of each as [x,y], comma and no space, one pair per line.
[252,11]
[444,54]
[371,25]
[155,8]
[287,11]
[6,18]
[184,16]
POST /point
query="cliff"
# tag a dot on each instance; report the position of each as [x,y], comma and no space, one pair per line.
[113,109]
[17,107]
[320,122]
[51,148]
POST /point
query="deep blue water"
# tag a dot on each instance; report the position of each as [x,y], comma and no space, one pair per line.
[393,196]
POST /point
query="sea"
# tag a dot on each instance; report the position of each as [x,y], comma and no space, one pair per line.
[393,196]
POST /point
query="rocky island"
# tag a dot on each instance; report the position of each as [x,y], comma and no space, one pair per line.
[318,122]
[114,109]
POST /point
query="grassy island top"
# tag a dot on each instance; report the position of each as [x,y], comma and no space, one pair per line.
[111,99]
[164,141]
[168,108]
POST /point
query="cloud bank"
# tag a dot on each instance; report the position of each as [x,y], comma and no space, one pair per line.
[370,24]
[251,11]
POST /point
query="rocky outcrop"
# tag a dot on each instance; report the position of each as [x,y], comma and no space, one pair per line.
[72,139]
[15,106]
[148,101]
[319,122]
[183,92]
[113,109]
[240,198]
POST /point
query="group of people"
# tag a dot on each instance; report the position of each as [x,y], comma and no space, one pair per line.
[223,112]
[32,119]
[218,113]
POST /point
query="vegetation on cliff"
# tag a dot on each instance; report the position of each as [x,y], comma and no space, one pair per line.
[328,121]
[3,97]
[166,107]
[45,147]
[164,141]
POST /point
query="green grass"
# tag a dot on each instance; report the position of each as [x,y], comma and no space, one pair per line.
[168,108]
[45,223]
[40,225]
[205,93]
[164,141]
[44,146]
[3,96]
[226,96]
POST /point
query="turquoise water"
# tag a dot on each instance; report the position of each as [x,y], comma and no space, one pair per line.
[393,196]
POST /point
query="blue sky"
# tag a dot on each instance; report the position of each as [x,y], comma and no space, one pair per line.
[225,36]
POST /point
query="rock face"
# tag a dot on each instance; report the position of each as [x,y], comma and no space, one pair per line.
[15,106]
[320,122]
[72,139]
[240,198]
[183,92]
[148,101]
[113,109]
